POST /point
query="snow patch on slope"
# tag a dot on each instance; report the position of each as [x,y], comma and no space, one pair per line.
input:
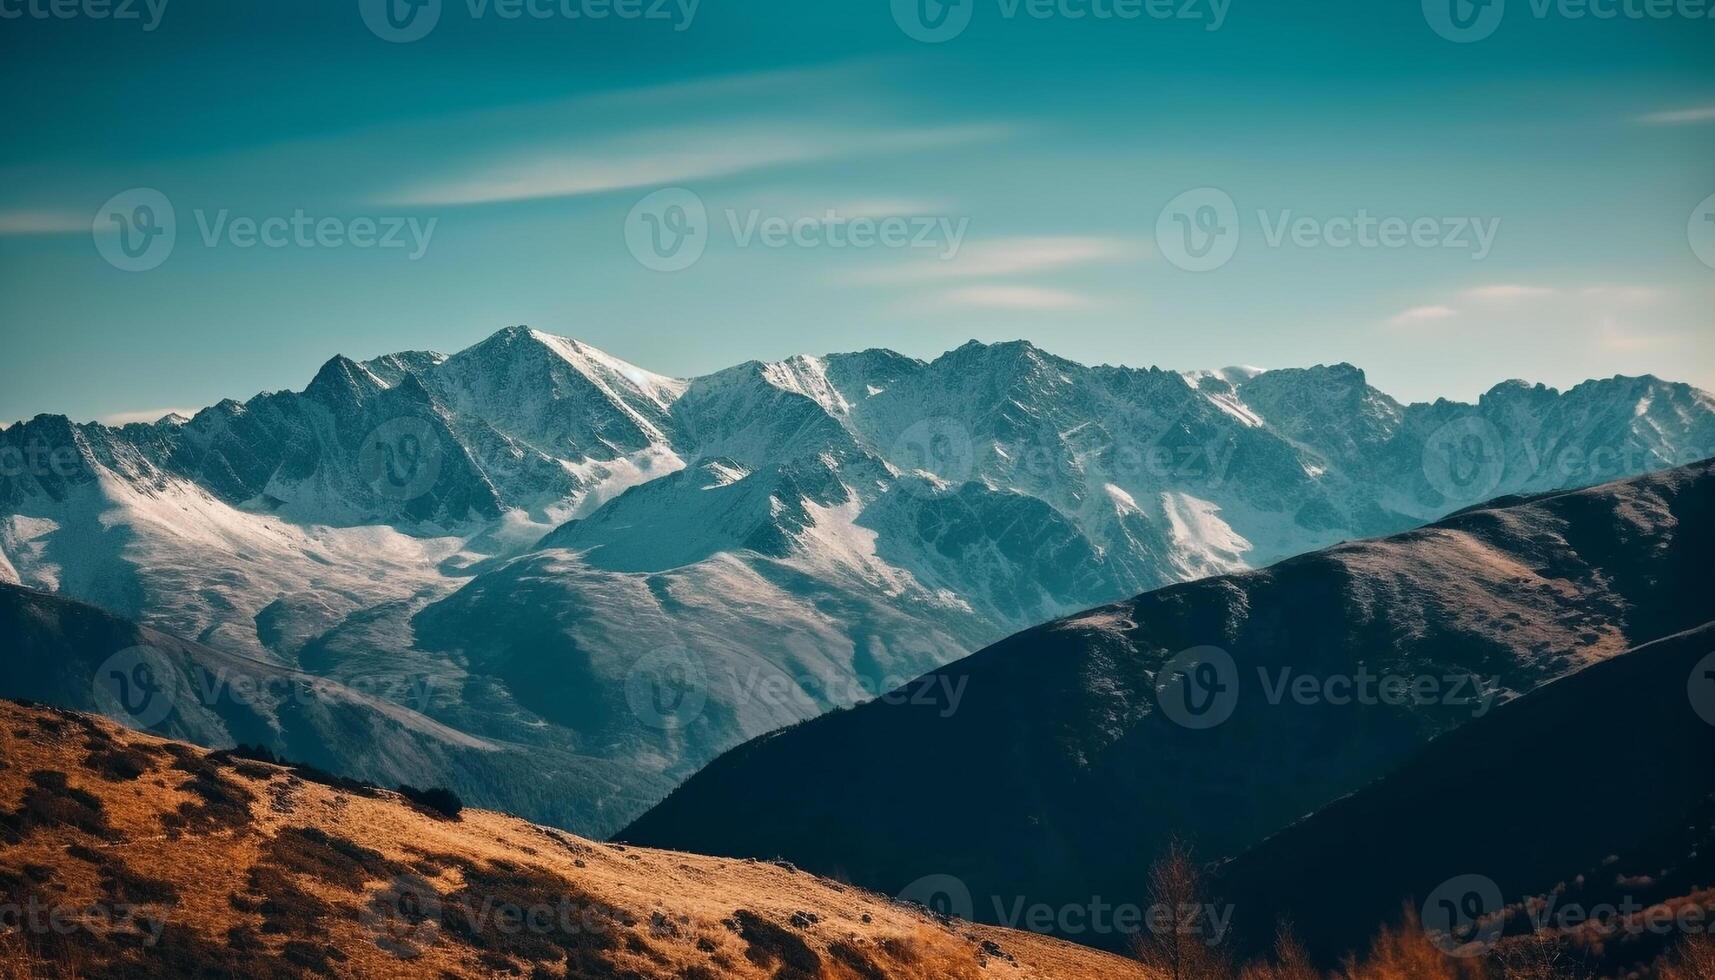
[1203,543]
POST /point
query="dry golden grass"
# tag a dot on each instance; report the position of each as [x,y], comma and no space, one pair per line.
[248,868]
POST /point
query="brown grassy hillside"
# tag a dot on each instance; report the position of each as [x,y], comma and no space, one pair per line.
[126,855]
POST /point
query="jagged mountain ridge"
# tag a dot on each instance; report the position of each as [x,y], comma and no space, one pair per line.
[1059,771]
[836,524]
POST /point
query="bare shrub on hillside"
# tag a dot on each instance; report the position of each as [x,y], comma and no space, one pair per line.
[1179,953]
[1290,961]
[1692,959]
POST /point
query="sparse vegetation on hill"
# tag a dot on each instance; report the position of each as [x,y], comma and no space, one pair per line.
[163,860]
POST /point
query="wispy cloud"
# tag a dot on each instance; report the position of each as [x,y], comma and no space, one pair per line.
[42,222]
[1016,298]
[1622,293]
[1507,291]
[146,415]
[1421,314]
[1680,117]
[1626,338]
[1013,257]
[676,155]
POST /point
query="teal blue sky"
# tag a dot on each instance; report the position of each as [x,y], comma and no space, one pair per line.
[1052,143]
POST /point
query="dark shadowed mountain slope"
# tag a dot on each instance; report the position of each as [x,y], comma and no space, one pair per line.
[1595,789]
[1044,766]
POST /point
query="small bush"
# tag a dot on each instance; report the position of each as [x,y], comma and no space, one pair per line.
[442,801]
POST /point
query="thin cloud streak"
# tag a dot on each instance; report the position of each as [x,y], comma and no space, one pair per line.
[995,297]
[668,156]
[1508,291]
[34,222]
[1680,117]
[1014,257]
[1420,314]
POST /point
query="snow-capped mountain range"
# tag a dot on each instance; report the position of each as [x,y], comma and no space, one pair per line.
[590,557]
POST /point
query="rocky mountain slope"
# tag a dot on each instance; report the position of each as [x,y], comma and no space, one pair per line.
[1052,765]
[580,543]
[74,655]
[140,857]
